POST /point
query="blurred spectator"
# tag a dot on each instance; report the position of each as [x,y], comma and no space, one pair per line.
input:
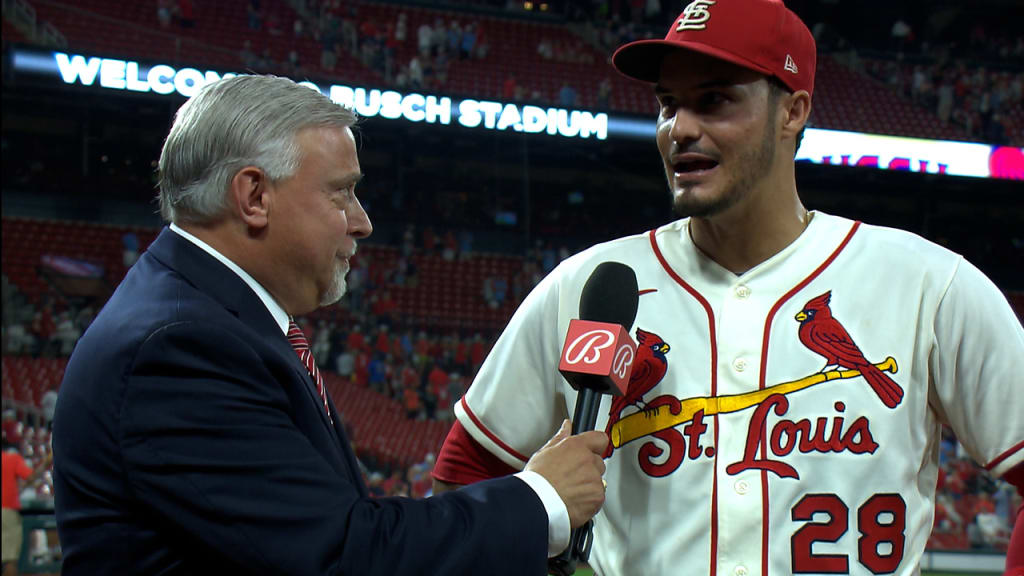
[415,73]
[378,376]
[425,39]
[19,340]
[438,36]
[450,246]
[382,345]
[401,29]
[11,427]
[328,59]
[48,405]
[186,14]
[294,65]
[165,12]
[412,404]
[66,333]
[16,474]
[356,339]
[453,37]
[604,93]
[321,343]
[254,15]
[130,247]
[465,244]
[509,88]
[901,34]
[567,96]
[477,352]
[274,25]
[468,42]
[544,49]
[345,363]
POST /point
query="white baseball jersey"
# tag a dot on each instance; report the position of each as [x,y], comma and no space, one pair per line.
[783,421]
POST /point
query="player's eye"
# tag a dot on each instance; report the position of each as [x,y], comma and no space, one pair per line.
[712,100]
[668,105]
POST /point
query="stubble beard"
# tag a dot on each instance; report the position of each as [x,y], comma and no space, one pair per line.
[338,285]
[754,164]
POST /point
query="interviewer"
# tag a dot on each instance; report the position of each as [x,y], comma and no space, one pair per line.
[193,434]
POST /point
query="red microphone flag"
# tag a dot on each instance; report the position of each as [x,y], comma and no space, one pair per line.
[597,355]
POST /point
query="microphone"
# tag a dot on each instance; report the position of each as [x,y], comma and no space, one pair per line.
[597,359]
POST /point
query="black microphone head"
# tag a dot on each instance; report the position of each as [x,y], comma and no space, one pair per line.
[610,295]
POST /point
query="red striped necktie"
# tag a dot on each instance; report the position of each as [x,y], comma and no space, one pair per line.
[298,341]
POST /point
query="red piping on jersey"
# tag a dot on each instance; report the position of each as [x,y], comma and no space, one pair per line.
[647,291]
[494,438]
[714,391]
[764,363]
[1004,455]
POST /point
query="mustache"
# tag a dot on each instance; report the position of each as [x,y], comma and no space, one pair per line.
[676,150]
[352,252]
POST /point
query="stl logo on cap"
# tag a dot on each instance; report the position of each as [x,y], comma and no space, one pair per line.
[695,15]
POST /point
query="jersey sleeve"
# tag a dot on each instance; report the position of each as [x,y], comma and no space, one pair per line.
[976,379]
[465,461]
[516,402]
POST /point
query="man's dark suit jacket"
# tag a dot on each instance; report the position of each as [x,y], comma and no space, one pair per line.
[189,439]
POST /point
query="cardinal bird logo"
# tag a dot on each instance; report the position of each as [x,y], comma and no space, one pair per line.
[648,370]
[824,335]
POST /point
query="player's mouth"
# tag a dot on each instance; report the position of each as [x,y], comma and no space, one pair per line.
[692,166]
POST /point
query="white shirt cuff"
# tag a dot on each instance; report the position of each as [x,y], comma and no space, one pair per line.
[558,514]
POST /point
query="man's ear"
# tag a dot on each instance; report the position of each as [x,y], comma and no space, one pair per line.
[797,111]
[250,196]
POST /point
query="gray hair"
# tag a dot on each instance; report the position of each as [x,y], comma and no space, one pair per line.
[230,124]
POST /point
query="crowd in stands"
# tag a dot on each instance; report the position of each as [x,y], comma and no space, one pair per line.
[422,368]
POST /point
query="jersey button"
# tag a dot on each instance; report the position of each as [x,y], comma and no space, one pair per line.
[742,487]
[741,570]
[739,364]
[742,291]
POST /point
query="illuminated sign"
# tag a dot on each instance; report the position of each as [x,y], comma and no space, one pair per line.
[819,146]
[911,154]
[115,74]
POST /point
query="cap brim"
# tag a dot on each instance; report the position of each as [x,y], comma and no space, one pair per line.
[641,60]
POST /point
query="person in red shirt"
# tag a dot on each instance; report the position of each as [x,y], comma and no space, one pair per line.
[15,469]
[383,342]
[356,340]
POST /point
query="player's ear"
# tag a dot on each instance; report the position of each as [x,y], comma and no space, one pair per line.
[796,109]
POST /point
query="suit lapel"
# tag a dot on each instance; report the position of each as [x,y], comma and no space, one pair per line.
[211,277]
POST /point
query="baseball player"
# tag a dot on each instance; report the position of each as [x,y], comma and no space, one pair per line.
[793,368]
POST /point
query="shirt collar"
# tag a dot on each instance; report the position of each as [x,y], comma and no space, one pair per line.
[275,309]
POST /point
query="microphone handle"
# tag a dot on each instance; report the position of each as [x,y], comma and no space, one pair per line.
[588,404]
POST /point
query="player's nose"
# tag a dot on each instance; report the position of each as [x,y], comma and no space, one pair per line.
[686,126]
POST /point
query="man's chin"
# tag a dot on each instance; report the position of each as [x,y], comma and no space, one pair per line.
[686,205]
[336,291]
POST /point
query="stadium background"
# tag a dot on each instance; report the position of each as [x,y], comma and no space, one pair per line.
[467,221]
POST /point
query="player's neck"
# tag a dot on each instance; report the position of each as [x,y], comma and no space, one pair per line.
[747,235]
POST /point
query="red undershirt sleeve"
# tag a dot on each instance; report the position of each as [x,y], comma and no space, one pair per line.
[464,461]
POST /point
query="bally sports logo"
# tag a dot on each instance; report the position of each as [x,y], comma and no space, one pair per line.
[597,349]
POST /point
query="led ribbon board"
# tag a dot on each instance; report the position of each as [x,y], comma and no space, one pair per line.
[819,146]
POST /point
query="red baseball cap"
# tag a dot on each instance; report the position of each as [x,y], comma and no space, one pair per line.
[762,35]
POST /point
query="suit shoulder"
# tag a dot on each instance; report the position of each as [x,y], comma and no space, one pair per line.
[148,300]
